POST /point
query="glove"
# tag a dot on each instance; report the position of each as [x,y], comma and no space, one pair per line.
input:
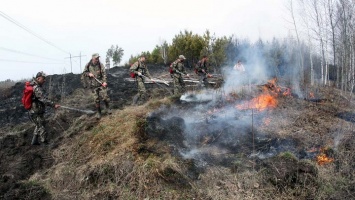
[139,74]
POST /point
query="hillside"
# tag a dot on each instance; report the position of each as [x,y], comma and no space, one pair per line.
[256,142]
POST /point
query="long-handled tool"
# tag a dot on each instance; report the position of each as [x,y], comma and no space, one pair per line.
[154,81]
[197,81]
[79,110]
[97,80]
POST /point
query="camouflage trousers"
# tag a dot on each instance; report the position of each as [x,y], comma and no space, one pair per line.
[40,123]
[100,94]
[142,92]
[203,82]
[179,85]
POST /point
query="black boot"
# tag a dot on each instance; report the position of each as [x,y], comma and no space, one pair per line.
[135,99]
[98,114]
[108,108]
[35,140]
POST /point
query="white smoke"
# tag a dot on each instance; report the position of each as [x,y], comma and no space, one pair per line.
[256,71]
[207,113]
[202,96]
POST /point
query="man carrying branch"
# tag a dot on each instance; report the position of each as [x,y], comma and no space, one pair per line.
[96,73]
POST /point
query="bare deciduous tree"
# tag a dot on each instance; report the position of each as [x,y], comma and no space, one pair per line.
[291,9]
[164,51]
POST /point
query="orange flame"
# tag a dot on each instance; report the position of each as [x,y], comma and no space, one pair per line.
[260,103]
[271,86]
[322,158]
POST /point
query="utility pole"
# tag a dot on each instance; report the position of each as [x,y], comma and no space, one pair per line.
[75,57]
[80,61]
[71,66]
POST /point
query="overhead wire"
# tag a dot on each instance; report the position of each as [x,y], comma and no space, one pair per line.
[28,54]
[20,61]
[30,31]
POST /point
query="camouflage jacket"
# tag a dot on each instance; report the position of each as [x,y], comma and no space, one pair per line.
[139,66]
[178,68]
[201,66]
[98,71]
[39,99]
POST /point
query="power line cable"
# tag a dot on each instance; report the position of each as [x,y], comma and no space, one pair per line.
[28,54]
[20,61]
[28,30]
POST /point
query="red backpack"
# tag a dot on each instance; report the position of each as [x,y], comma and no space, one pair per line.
[132,74]
[27,96]
[171,68]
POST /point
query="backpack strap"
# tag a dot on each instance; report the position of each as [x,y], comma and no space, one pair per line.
[139,64]
[90,63]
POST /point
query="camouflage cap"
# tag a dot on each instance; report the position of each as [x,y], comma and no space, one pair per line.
[182,57]
[39,74]
[95,55]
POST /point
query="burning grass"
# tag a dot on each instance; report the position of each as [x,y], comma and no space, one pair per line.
[259,103]
[323,157]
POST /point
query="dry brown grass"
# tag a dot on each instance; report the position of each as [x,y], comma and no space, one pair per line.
[338,178]
[104,162]
[115,159]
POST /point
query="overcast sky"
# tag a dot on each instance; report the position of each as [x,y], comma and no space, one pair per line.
[88,26]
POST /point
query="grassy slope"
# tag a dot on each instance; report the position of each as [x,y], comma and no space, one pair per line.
[109,159]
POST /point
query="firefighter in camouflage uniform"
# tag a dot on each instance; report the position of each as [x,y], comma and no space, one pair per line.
[202,71]
[38,108]
[140,71]
[97,80]
[178,70]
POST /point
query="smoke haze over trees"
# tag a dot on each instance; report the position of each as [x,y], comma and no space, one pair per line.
[320,48]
